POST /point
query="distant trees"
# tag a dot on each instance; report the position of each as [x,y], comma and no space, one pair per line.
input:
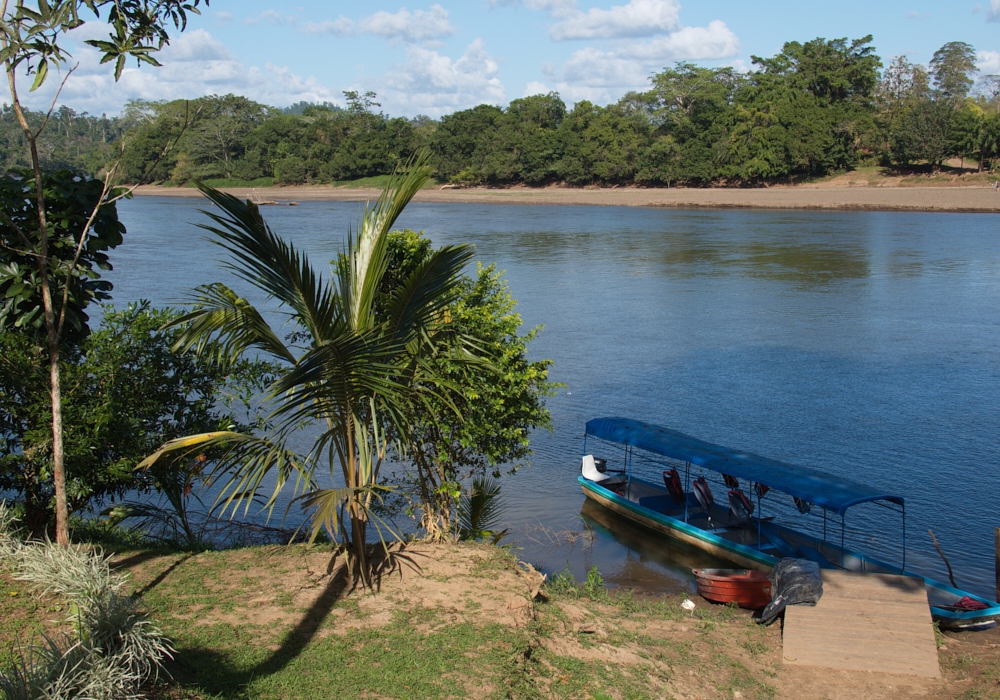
[815,107]
[73,141]
[952,68]
[233,137]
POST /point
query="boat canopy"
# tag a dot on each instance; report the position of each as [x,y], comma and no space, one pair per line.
[831,492]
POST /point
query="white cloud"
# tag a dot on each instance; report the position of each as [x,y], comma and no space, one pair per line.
[270,17]
[223,18]
[339,27]
[194,65]
[637,18]
[993,14]
[536,88]
[603,75]
[432,84]
[556,8]
[988,62]
[405,26]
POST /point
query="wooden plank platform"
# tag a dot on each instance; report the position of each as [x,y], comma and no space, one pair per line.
[864,622]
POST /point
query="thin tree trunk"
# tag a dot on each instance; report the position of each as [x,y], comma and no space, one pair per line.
[359,536]
[51,326]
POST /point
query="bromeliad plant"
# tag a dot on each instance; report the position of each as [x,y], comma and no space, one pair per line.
[351,372]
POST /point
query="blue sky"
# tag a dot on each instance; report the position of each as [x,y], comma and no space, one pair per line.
[435,57]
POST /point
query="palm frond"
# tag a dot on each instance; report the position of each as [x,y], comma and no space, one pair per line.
[326,508]
[368,258]
[272,264]
[245,462]
[429,290]
[222,315]
[332,376]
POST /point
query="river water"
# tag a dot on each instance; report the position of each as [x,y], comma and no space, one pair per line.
[861,343]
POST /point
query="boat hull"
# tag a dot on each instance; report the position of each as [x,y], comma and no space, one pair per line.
[747,588]
[741,556]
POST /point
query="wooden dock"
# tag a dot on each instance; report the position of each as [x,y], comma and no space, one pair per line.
[864,622]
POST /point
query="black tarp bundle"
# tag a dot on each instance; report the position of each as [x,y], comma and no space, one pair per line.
[793,582]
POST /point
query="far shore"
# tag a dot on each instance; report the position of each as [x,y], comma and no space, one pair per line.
[951,198]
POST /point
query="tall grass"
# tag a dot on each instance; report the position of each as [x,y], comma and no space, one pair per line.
[116,649]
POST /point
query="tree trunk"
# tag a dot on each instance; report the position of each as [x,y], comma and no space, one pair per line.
[359,545]
[52,326]
[58,462]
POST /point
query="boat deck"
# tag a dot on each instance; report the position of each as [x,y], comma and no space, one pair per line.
[864,622]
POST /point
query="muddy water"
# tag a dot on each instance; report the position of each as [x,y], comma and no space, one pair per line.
[862,343]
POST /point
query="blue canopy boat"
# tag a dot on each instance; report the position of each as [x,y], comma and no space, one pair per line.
[736,529]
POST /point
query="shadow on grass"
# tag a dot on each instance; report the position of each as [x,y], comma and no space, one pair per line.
[161,576]
[215,672]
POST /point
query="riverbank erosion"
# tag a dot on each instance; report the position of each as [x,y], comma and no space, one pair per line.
[981,199]
[458,621]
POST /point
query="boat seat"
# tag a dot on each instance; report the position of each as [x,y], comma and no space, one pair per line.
[777,541]
[813,554]
[589,471]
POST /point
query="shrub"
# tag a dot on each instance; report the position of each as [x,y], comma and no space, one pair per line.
[116,649]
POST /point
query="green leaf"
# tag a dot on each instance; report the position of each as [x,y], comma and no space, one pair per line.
[40,73]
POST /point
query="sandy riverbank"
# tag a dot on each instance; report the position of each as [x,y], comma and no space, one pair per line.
[942,199]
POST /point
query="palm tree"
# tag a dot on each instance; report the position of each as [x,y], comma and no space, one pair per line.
[349,371]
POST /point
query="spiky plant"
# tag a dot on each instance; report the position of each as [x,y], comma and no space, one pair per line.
[117,647]
[74,572]
[480,510]
[9,540]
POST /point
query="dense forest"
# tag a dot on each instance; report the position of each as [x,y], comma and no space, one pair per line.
[815,108]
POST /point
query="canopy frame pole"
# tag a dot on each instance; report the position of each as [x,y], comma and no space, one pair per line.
[843,517]
[628,467]
[760,514]
[585,444]
[687,485]
[824,526]
[903,571]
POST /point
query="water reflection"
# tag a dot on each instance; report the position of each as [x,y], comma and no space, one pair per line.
[652,562]
[806,264]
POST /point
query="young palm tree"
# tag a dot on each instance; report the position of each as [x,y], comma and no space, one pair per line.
[349,373]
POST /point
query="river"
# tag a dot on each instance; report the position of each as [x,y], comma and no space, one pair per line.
[861,343]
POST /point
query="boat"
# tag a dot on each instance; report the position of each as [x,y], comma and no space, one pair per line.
[803,508]
[747,588]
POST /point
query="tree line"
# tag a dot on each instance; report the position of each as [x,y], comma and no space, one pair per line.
[819,107]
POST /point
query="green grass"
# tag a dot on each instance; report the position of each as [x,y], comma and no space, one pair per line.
[24,617]
[397,660]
